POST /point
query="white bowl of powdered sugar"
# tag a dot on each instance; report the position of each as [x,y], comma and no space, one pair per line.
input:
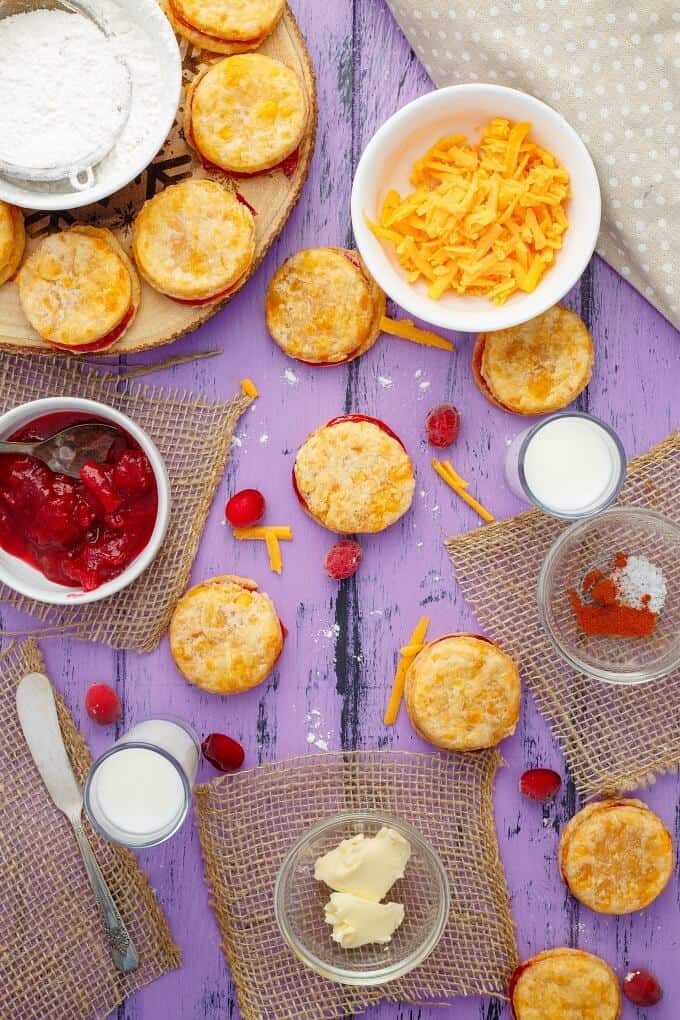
[91,90]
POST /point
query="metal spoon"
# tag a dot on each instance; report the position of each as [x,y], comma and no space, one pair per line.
[66,452]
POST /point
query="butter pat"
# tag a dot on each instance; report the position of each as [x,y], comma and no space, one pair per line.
[365,867]
[357,921]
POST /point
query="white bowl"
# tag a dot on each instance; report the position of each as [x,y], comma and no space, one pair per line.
[387,162]
[30,582]
[149,18]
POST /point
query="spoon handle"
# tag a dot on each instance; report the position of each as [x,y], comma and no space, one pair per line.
[17,447]
[121,945]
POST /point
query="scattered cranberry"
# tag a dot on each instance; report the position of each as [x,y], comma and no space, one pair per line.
[539,784]
[343,559]
[642,988]
[102,704]
[245,509]
[442,425]
[223,752]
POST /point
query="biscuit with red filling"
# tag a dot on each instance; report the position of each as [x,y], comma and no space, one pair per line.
[323,308]
[537,367]
[12,240]
[246,114]
[79,290]
[225,26]
[225,635]
[194,241]
[565,984]
[353,475]
[616,856]
[462,693]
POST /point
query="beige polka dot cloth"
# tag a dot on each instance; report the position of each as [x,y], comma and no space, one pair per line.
[612,70]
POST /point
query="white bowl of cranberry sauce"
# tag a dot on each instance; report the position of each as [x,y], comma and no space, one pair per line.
[68,541]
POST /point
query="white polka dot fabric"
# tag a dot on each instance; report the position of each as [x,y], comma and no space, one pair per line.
[612,70]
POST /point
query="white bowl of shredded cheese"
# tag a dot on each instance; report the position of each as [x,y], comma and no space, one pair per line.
[464,110]
[100,77]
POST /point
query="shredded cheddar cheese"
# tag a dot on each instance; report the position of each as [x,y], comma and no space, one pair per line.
[271,535]
[485,220]
[248,388]
[407,655]
[274,552]
[453,483]
[281,532]
[455,476]
[405,329]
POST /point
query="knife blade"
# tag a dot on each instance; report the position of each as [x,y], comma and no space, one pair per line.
[38,717]
[37,712]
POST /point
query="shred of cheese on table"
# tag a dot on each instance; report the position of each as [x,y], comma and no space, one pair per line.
[459,487]
[405,329]
[248,388]
[407,656]
[271,535]
[484,220]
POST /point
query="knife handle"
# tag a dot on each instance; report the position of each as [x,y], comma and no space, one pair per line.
[121,945]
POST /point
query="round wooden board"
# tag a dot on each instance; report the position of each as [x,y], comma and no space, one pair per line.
[272,195]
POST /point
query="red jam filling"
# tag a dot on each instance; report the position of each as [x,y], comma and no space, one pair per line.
[106,341]
[76,532]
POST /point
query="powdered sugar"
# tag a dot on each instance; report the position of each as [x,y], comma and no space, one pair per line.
[66,91]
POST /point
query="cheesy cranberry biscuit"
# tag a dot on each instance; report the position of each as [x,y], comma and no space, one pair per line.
[353,475]
[565,984]
[225,635]
[462,693]
[194,241]
[323,308]
[225,26]
[536,367]
[616,856]
[12,240]
[246,113]
[79,290]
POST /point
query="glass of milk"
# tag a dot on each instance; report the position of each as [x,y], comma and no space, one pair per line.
[138,792]
[569,465]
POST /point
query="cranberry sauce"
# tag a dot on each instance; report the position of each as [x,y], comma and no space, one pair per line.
[77,532]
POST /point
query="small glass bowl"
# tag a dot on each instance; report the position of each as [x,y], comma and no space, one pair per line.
[299,902]
[593,543]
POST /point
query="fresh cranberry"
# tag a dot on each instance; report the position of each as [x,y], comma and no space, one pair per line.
[245,509]
[442,425]
[539,784]
[223,752]
[102,704]
[642,988]
[343,559]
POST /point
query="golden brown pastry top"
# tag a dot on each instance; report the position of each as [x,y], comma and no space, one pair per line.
[616,856]
[247,113]
[236,20]
[225,635]
[462,693]
[12,240]
[538,366]
[565,984]
[354,477]
[77,286]
[321,306]
[194,240]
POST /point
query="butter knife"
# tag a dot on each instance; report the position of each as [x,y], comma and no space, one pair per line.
[38,717]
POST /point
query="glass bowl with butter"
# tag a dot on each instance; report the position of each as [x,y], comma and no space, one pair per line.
[362,898]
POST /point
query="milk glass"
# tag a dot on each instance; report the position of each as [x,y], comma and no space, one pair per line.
[570,465]
[138,792]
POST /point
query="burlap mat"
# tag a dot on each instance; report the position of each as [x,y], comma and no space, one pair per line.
[614,738]
[248,822]
[54,959]
[193,435]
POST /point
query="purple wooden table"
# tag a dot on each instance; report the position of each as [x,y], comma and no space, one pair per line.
[331,685]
